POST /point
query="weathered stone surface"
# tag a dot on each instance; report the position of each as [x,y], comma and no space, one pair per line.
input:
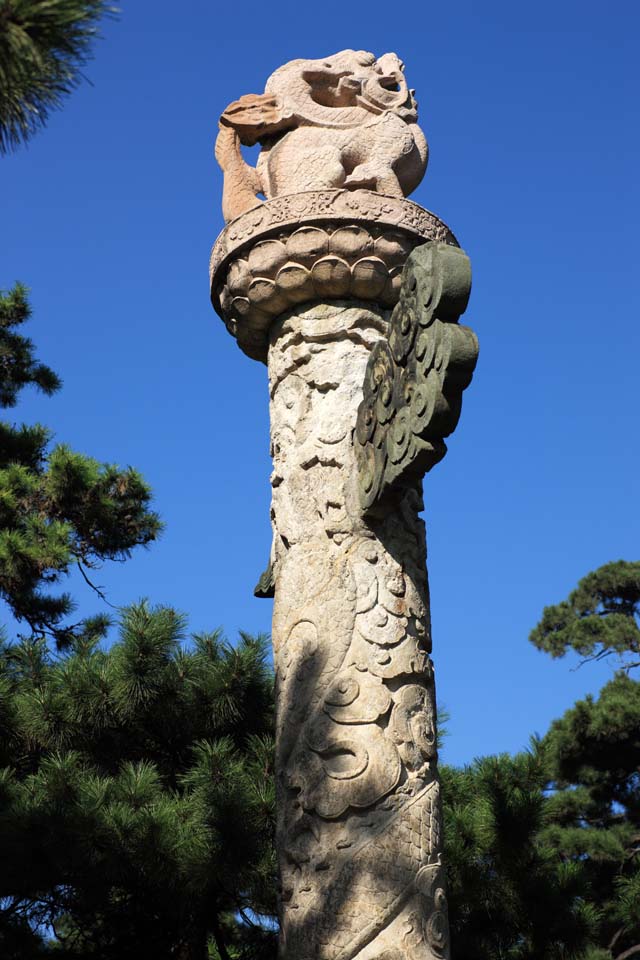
[348,121]
[367,365]
[358,821]
[322,245]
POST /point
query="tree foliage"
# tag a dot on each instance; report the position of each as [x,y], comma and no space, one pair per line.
[136,795]
[59,509]
[594,751]
[594,805]
[43,46]
[511,895]
[18,364]
[543,849]
[598,619]
[136,789]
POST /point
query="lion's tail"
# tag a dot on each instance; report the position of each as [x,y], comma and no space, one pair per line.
[241,181]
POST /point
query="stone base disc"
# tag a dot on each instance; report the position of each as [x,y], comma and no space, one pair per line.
[318,245]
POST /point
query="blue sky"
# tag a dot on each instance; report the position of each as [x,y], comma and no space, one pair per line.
[531,115]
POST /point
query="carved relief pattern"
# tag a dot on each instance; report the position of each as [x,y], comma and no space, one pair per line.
[358,807]
[306,279]
[346,121]
[322,205]
[313,246]
[414,379]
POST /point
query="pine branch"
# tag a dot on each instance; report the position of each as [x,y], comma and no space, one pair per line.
[593,658]
[42,49]
[95,588]
[615,938]
[631,952]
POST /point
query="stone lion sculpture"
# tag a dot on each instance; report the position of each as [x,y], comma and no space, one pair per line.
[346,122]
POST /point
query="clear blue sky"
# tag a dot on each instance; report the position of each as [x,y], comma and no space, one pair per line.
[531,115]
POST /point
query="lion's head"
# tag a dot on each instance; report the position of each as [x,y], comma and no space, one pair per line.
[343,90]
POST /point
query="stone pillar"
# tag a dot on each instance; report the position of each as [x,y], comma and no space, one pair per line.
[359,821]
[351,294]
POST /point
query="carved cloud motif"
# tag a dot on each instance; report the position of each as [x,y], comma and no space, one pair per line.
[412,725]
[356,699]
[414,381]
[340,768]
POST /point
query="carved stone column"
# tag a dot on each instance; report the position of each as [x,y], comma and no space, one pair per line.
[358,829]
[352,298]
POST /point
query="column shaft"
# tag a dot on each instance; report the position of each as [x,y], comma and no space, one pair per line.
[358,804]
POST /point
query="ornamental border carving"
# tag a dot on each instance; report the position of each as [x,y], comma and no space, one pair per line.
[322,206]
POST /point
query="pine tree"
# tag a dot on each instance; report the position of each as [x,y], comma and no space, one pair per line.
[599,619]
[43,45]
[594,807]
[136,788]
[511,895]
[594,752]
[59,510]
[543,849]
[137,797]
